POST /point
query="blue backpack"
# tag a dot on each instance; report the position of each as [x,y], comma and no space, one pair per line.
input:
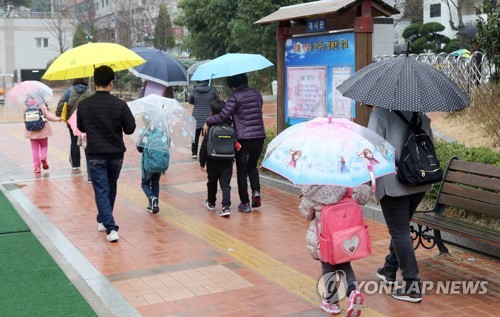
[155,155]
[34,119]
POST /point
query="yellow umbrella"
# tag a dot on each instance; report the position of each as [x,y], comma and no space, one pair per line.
[80,62]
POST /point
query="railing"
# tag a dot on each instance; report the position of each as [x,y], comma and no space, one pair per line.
[462,70]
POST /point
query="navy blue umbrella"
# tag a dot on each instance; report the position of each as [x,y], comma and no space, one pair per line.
[160,67]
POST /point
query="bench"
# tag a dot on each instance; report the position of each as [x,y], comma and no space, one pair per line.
[465,185]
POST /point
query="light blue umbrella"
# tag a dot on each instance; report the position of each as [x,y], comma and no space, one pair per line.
[231,64]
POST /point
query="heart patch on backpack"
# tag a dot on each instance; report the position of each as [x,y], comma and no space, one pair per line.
[351,245]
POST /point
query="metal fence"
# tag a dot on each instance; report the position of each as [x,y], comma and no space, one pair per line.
[461,69]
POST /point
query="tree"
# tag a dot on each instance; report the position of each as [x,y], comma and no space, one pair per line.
[59,24]
[455,6]
[163,32]
[487,36]
[411,10]
[425,37]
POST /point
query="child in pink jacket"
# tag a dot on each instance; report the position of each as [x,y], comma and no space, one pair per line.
[40,140]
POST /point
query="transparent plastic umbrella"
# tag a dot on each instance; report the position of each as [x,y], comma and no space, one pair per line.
[30,93]
[326,151]
[166,116]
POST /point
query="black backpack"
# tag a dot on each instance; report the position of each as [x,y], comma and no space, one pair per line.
[34,119]
[418,162]
[221,142]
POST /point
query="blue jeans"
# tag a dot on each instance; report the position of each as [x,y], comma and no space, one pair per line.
[150,184]
[104,174]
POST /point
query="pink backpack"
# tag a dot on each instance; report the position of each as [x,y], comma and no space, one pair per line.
[343,236]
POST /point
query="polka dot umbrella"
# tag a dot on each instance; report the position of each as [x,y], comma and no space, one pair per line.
[404,84]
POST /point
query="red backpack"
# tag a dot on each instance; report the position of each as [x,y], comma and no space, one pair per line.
[343,235]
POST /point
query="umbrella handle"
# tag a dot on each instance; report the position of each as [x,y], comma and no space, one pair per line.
[372,176]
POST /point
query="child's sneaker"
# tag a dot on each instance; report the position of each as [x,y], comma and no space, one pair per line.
[45,165]
[154,204]
[333,309]
[354,303]
[37,169]
[225,212]
[209,205]
[244,207]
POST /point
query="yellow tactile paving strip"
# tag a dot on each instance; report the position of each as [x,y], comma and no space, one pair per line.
[292,280]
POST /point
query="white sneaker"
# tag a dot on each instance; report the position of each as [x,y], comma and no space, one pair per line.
[112,236]
[100,227]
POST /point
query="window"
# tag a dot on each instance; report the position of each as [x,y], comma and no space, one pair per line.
[435,10]
[41,42]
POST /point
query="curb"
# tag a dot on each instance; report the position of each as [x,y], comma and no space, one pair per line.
[101,295]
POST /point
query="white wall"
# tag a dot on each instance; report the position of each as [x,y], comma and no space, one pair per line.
[18,47]
[383,37]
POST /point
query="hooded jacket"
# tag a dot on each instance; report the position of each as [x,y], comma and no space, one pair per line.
[244,106]
[314,197]
[201,97]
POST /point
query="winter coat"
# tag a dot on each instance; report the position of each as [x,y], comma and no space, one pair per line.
[76,94]
[46,131]
[244,106]
[314,197]
[104,118]
[201,97]
[390,126]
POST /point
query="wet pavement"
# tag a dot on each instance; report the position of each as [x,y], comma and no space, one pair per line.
[187,261]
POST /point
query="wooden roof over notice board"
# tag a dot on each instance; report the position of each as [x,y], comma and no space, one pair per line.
[321,8]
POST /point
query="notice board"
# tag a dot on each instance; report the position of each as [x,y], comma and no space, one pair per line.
[315,65]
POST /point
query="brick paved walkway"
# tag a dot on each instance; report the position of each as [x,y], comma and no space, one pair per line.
[187,261]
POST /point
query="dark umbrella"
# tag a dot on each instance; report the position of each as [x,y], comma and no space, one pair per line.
[160,67]
[468,31]
[404,84]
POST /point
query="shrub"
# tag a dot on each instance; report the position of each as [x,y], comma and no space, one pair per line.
[483,111]
[445,151]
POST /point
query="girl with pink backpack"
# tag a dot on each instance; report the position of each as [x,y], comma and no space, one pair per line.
[331,199]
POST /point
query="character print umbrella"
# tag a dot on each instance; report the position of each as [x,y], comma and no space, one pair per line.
[405,84]
[166,119]
[329,151]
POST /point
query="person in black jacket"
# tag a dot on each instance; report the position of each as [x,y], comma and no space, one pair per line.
[217,170]
[105,118]
[201,97]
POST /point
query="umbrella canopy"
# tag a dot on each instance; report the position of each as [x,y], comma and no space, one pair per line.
[404,84]
[326,151]
[195,66]
[160,67]
[30,93]
[80,61]
[461,53]
[231,64]
[468,31]
[72,123]
[162,115]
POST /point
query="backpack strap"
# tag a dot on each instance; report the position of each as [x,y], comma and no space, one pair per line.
[66,94]
[416,121]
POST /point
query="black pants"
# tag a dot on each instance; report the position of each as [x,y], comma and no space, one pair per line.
[398,212]
[344,271]
[74,151]
[222,171]
[246,165]
[194,145]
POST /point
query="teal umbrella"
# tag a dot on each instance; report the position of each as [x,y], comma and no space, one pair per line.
[461,53]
